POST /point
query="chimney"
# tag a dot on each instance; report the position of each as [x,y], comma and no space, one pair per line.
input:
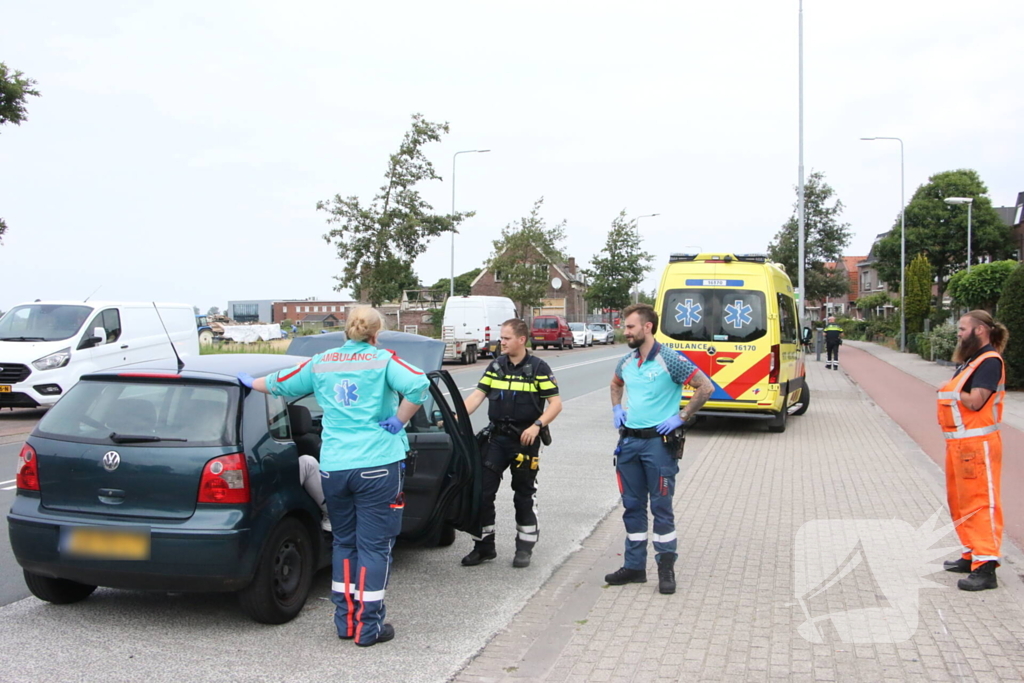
[572,265]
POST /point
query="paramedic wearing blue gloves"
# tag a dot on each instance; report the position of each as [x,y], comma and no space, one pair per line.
[361,462]
[650,426]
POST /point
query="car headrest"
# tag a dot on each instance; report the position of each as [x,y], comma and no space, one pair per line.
[301,419]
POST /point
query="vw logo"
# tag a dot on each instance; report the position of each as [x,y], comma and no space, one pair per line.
[712,350]
[111,459]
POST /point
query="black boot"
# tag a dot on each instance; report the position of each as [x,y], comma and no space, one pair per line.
[479,555]
[522,559]
[387,632]
[625,575]
[960,566]
[980,579]
[667,573]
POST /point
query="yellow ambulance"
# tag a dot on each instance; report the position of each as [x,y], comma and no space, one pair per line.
[734,316]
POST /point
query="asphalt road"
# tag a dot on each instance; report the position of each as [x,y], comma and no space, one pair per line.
[444,613]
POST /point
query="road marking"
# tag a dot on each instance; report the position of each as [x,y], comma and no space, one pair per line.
[8,488]
[9,481]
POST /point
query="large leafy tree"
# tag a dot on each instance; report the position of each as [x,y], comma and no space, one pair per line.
[825,238]
[379,242]
[14,88]
[982,286]
[918,297]
[939,230]
[618,267]
[523,256]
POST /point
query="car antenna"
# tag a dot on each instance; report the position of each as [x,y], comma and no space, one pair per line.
[181,365]
[90,296]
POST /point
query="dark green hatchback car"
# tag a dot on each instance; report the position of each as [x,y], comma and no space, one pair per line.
[150,478]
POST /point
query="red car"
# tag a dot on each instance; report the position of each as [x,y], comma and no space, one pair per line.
[550,330]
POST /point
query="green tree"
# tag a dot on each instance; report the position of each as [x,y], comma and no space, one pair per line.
[867,304]
[982,286]
[523,256]
[1011,314]
[825,238]
[939,230]
[463,283]
[14,88]
[378,241]
[391,277]
[213,311]
[918,296]
[618,267]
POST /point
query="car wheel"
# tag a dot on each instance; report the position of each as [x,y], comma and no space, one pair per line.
[561,344]
[447,536]
[805,400]
[281,583]
[778,424]
[57,591]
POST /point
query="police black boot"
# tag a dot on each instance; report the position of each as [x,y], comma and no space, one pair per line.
[960,566]
[980,579]
[626,575]
[476,556]
[667,573]
[522,559]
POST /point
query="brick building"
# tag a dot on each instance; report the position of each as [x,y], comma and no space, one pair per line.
[565,295]
[842,305]
[297,310]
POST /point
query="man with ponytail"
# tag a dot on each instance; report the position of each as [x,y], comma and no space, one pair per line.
[970,410]
[367,395]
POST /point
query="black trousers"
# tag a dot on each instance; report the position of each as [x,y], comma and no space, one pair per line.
[832,353]
[502,453]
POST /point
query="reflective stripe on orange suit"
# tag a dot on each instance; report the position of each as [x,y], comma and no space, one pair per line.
[974,459]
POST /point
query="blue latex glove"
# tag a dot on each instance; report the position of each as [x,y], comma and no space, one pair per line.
[618,416]
[669,425]
[392,425]
[246,379]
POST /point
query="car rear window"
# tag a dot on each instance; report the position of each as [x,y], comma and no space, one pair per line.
[577,327]
[545,323]
[714,315]
[92,410]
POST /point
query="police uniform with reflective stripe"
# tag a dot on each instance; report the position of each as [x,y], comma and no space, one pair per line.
[832,342]
[516,395]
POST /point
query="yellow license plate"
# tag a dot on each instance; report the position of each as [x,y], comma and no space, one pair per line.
[106,544]
[5,388]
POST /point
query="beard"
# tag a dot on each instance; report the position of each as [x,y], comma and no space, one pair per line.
[965,348]
[636,342]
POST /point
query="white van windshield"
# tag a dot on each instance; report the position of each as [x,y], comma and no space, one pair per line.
[43,322]
[714,315]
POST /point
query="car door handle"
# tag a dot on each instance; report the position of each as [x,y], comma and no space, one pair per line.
[124,346]
[723,361]
[111,496]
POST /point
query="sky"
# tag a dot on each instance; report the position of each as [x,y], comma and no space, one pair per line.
[179,148]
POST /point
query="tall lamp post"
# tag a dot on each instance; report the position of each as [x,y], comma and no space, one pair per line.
[968,201]
[454,157]
[903,249]
[636,297]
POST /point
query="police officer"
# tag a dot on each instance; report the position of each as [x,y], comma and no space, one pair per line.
[833,339]
[646,461]
[361,462]
[970,411]
[516,385]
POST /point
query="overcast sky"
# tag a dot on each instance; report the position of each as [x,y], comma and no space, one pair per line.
[179,148]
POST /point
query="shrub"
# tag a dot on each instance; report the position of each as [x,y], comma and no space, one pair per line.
[942,341]
[1011,314]
[919,293]
[982,287]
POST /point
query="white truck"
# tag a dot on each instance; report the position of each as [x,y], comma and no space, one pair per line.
[45,346]
[472,326]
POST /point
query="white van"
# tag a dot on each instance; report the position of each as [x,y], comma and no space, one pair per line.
[46,346]
[472,326]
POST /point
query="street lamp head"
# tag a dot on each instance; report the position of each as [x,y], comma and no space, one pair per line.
[959,200]
[869,138]
[481,151]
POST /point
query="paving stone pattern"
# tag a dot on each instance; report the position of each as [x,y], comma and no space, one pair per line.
[739,506]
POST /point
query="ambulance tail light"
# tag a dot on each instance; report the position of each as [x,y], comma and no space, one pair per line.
[225,480]
[774,363]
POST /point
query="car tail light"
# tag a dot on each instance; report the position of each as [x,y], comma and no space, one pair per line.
[28,469]
[225,480]
[773,365]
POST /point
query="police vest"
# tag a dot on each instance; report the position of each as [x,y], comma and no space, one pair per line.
[960,422]
[832,333]
[515,392]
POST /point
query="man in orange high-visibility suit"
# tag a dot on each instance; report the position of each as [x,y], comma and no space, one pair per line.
[970,410]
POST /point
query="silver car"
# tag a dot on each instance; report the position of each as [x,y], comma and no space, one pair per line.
[603,333]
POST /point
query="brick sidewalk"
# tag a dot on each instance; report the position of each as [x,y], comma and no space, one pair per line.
[739,506]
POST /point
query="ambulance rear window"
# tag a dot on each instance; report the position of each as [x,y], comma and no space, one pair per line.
[714,315]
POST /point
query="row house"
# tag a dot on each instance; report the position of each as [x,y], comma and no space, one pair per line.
[565,295]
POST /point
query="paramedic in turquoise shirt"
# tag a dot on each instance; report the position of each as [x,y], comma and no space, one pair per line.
[358,386]
[652,376]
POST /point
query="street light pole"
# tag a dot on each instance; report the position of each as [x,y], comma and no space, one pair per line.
[800,258]
[454,156]
[969,201]
[903,248]
[636,294]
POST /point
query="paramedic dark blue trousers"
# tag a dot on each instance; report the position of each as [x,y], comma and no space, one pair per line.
[646,469]
[503,452]
[365,506]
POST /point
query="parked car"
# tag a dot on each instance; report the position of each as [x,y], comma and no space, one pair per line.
[151,478]
[550,330]
[45,346]
[603,333]
[581,335]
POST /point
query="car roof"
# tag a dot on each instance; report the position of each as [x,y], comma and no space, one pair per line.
[227,365]
[423,352]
